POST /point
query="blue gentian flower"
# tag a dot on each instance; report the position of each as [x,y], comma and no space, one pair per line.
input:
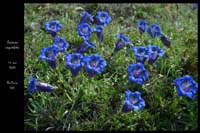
[122,41]
[141,53]
[84,46]
[154,51]
[154,30]
[61,44]
[142,25]
[99,31]
[49,54]
[137,73]
[73,62]
[84,30]
[103,18]
[132,101]
[186,86]
[165,40]
[53,27]
[195,6]
[94,64]
[34,85]
[86,17]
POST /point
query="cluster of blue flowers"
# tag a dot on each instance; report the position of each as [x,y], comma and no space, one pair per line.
[49,54]
[150,53]
[137,73]
[103,19]
[153,30]
[85,30]
[95,64]
[186,86]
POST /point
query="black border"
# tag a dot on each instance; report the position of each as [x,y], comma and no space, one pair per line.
[12,107]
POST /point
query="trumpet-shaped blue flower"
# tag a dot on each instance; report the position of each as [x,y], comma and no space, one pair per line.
[34,85]
[137,73]
[142,25]
[103,18]
[141,53]
[53,27]
[132,101]
[74,63]
[61,44]
[84,46]
[154,30]
[165,40]
[84,30]
[86,17]
[49,54]
[154,52]
[195,6]
[94,64]
[99,31]
[122,41]
[186,86]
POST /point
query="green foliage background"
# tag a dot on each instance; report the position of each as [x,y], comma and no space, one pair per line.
[84,103]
